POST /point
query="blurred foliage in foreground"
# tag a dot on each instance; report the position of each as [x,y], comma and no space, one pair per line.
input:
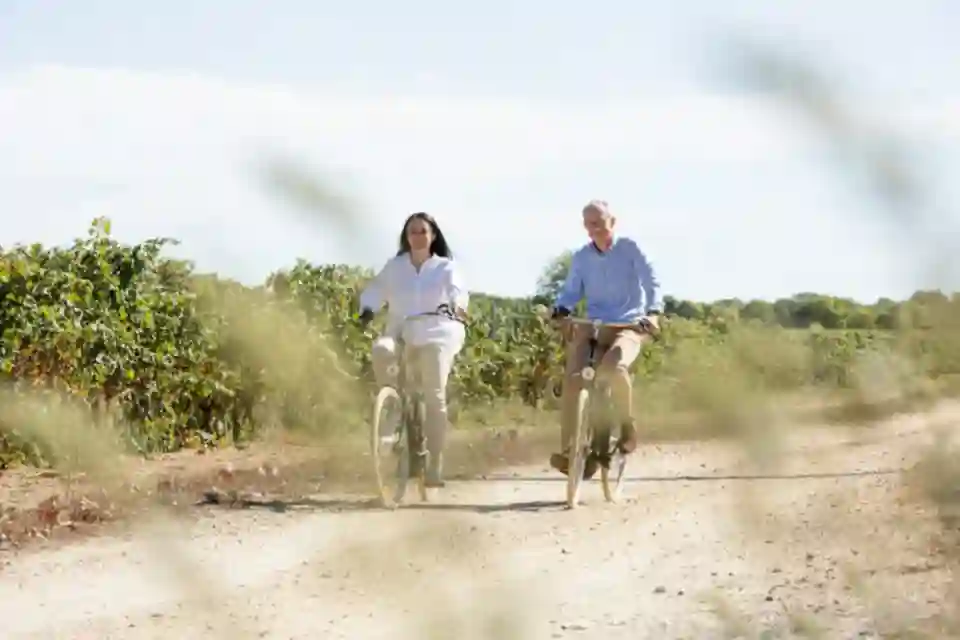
[183,359]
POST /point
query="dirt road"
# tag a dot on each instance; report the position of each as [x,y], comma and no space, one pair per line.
[696,551]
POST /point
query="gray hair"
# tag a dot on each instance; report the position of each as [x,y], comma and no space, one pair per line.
[600,206]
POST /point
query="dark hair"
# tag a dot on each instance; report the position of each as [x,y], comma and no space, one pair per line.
[438,247]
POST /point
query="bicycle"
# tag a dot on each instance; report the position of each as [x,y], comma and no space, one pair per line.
[593,435]
[407,443]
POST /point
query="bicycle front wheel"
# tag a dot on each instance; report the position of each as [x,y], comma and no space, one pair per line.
[391,464]
[578,450]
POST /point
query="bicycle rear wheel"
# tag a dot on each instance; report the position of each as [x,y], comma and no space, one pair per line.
[419,458]
[613,470]
[578,450]
[391,464]
[618,467]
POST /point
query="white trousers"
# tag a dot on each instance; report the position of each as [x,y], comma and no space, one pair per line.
[428,368]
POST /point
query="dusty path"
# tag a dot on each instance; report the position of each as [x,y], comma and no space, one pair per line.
[687,556]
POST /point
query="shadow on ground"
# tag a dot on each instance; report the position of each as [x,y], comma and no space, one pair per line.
[711,478]
[352,504]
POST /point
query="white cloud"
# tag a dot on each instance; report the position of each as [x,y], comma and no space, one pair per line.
[169,153]
[121,110]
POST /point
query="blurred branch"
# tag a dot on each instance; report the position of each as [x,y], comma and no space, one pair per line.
[319,204]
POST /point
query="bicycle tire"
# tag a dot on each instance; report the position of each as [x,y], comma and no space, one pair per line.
[618,466]
[400,474]
[616,462]
[578,450]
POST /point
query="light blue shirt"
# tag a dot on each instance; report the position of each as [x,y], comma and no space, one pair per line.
[619,284]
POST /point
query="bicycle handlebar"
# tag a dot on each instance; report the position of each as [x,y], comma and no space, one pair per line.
[545,313]
[443,311]
[600,323]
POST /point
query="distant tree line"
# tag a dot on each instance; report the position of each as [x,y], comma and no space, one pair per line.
[922,310]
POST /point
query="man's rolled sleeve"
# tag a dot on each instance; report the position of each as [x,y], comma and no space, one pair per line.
[572,291]
[649,283]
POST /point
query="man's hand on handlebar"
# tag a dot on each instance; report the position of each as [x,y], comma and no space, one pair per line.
[557,317]
[651,323]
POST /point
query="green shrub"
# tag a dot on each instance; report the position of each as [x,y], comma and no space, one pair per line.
[190,359]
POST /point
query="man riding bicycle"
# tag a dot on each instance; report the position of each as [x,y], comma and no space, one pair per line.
[620,286]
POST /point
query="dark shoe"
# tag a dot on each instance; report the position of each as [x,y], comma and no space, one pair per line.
[604,460]
[628,438]
[561,463]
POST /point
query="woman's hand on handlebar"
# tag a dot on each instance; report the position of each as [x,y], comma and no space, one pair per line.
[453,311]
[365,317]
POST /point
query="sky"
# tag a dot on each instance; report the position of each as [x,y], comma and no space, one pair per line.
[501,119]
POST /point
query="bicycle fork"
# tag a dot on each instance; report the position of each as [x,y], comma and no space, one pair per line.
[600,416]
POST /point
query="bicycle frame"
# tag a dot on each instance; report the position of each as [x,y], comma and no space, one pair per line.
[411,409]
[589,371]
[592,437]
[411,414]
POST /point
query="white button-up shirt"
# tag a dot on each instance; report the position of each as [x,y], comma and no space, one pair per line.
[406,292]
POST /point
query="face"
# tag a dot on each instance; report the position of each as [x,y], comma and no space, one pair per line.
[598,225]
[419,235]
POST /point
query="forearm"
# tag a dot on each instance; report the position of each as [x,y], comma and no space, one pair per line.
[567,299]
[461,299]
[457,290]
[572,291]
[649,284]
[651,291]
[372,296]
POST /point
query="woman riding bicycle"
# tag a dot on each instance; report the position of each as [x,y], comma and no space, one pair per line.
[419,279]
